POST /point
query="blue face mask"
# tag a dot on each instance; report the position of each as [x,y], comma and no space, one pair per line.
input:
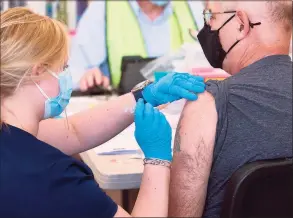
[160,2]
[55,106]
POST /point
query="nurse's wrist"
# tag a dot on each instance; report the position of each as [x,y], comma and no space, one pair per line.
[148,95]
[164,154]
[157,162]
[139,92]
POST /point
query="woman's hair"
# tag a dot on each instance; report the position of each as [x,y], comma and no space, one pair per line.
[27,40]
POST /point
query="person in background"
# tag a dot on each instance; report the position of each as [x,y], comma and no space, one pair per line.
[38,178]
[109,30]
[244,118]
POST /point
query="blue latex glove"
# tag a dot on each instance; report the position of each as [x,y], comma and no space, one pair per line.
[152,132]
[172,87]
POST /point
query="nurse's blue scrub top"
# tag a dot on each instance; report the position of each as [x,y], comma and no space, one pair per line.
[39,181]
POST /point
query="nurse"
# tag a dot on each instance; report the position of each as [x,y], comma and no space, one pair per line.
[38,178]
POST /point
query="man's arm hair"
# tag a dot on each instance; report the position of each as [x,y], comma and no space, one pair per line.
[192,160]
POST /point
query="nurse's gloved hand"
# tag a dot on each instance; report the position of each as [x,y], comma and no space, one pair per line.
[152,132]
[172,87]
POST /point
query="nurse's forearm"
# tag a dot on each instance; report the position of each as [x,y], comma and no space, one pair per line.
[88,128]
[98,125]
[152,200]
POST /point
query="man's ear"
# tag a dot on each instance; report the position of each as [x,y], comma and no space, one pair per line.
[243,23]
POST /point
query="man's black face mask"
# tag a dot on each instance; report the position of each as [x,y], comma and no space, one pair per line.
[211,45]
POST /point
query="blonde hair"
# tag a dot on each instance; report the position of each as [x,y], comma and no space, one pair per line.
[27,40]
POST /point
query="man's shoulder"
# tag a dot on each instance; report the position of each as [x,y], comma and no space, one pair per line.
[262,73]
[219,90]
[273,66]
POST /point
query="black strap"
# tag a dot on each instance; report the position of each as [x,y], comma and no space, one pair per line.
[226,22]
[138,94]
[250,24]
[233,46]
[254,24]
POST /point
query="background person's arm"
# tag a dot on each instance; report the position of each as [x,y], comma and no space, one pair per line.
[93,77]
[192,160]
[88,48]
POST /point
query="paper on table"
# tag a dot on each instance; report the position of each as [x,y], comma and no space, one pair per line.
[125,143]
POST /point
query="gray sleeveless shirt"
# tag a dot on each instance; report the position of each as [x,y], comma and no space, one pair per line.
[254,121]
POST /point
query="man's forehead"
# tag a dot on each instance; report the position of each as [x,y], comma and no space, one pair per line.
[213,5]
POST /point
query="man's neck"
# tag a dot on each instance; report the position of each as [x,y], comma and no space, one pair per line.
[251,56]
[151,10]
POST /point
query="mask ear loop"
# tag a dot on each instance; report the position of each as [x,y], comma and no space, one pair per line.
[53,74]
[232,46]
[222,27]
[41,90]
[254,24]
[251,25]
[226,22]
[66,118]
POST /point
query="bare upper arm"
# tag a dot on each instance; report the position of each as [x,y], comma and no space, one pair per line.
[195,138]
[197,124]
[60,134]
[192,159]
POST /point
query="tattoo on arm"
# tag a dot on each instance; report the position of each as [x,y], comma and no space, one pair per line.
[177,140]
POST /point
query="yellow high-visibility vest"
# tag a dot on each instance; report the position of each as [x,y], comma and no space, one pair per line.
[124,37]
